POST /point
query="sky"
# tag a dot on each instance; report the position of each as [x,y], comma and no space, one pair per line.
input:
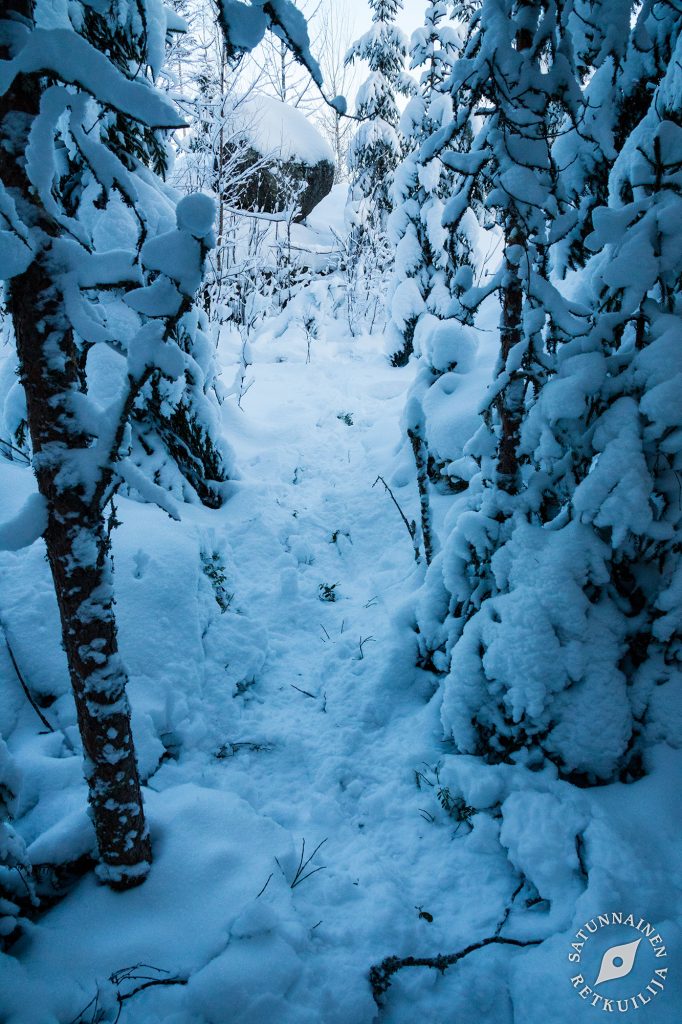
[409,18]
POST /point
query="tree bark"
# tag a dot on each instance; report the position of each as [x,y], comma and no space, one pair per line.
[421,457]
[510,401]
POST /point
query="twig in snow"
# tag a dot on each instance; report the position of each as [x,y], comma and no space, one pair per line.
[325,632]
[96,1017]
[100,1014]
[231,748]
[265,886]
[306,692]
[302,865]
[580,852]
[130,974]
[366,640]
[420,775]
[508,908]
[24,687]
[121,997]
[410,525]
[12,448]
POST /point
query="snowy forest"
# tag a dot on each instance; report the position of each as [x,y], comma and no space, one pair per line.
[340,504]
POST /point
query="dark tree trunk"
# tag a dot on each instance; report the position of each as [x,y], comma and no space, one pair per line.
[510,401]
[77,535]
[421,457]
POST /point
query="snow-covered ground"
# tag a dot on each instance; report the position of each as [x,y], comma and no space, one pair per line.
[267,717]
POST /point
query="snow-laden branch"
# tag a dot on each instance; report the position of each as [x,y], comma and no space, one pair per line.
[74,61]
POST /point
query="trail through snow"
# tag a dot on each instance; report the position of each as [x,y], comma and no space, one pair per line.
[331,738]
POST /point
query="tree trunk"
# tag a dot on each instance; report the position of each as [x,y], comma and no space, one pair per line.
[77,536]
[510,401]
[421,457]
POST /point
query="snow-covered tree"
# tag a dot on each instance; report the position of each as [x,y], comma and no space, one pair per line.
[621,61]
[373,156]
[422,281]
[558,577]
[511,81]
[421,185]
[376,147]
[605,439]
[516,77]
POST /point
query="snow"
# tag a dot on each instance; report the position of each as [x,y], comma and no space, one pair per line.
[15,247]
[29,524]
[196,214]
[277,128]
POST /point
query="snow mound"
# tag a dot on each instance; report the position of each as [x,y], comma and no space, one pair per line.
[231,850]
[275,128]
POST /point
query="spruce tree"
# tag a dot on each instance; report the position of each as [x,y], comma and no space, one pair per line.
[376,147]
[604,435]
[621,62]
[506,177]
[514,84]
[558,577]
[422,183]
[373,156]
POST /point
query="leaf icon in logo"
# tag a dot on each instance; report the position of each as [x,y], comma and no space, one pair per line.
[618,961]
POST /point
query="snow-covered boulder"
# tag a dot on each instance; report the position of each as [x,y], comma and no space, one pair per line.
[295,151]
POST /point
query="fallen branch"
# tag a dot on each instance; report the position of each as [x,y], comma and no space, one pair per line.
[410,525]
[380,974]
[99,1013]
[129,974]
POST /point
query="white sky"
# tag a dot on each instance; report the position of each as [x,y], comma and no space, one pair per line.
[410,18]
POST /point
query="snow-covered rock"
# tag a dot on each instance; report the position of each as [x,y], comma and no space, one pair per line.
[296,153]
